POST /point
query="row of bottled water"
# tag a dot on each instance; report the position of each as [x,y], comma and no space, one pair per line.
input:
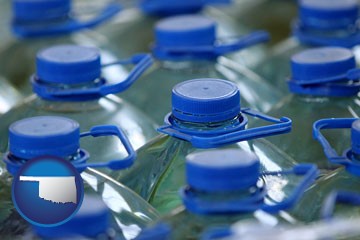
[189,122]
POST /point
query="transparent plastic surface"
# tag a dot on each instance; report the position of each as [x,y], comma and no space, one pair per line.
[161,165]
[337,228]
[304,111]
[152,92]
[310,205]
[110,110]
[275,67]
[130,213]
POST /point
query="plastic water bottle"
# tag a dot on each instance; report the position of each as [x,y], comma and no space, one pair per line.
[346,178]
[319,23]
[226,186]
[186,48]
[324,83]
[37,24]
[205,114]
[68,82]
[60,137]
[138,20]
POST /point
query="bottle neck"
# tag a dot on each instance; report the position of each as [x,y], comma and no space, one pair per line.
[208,126]
[60,91]
[71,158]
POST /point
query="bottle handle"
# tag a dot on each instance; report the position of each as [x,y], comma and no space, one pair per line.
[310,173]
[142,63]
[243,42]
[282,125]
[219,49]
[331,123]
[116,164]
[70,25]
[334,197]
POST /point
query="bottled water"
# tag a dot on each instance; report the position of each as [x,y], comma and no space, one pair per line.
[37,24]
[226,186]
[205,114]
[319,23]
[184,49]
[324,83]
[68,83]
[345,178]
[60,137]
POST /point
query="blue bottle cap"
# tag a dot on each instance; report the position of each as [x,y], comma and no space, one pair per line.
[328,14]
[91,220]
[45,135]
[40,10]
[355,137]
[185,31]
[205,100]
[160,231]
[68,64]
[166,7]
[222,170]
[321,63]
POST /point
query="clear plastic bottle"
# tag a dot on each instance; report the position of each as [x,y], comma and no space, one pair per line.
[319,23]
[37,24]
[60,137]
[205,114]
[346,178]
[69,83]
[185,48]
[324,83]
[137,23]
[226,186]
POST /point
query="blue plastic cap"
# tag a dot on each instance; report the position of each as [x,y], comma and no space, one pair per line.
[166,7]
[205,100]
[68,64]
[321,63]
[355,137]
[91,220]
[184,31]
[45,135]
[328,14]
[160,231]
[222,170]
[40,10]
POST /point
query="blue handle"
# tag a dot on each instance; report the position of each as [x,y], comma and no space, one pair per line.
[142,61]
[310,173]
[70,25]
[219,49]
[352,74]
[217,233]
[243,42]
[255,202]
[282,125]
[111,130]
[331,123]
[334,197]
